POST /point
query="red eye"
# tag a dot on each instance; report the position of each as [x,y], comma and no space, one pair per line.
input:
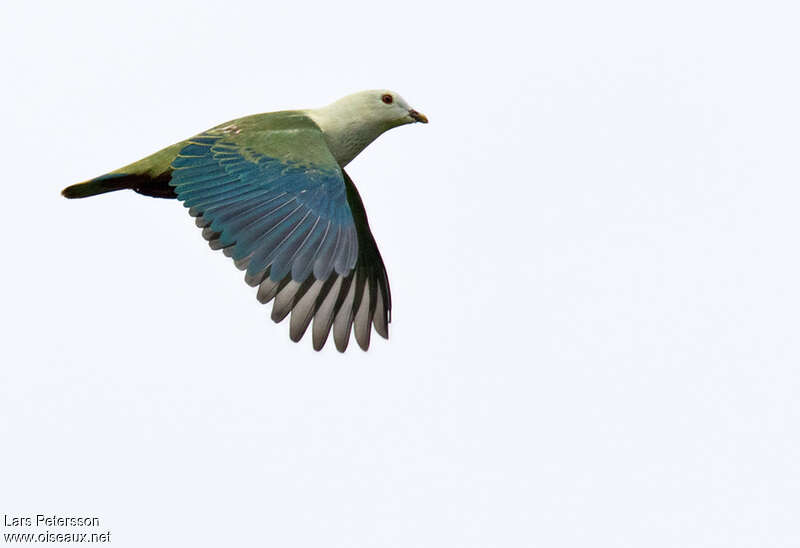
[386,98]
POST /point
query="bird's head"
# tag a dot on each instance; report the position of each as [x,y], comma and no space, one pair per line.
[389,107]
[354,121]
[381,107]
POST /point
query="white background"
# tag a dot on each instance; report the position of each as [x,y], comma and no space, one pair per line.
[592,249]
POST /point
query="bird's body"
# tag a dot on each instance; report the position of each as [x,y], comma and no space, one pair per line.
[271,191]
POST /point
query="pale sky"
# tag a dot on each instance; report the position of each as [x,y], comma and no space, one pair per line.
[592,250]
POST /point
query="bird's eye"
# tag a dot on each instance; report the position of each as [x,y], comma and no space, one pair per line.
[386,98]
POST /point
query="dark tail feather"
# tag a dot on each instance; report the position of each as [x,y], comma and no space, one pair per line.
[101,185]
[158,187]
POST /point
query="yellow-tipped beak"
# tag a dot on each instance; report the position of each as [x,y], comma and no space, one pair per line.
[418,116]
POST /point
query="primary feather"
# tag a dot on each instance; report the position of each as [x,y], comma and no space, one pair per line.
[271,192]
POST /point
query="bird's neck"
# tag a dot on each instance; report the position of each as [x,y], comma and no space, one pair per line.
[346,131]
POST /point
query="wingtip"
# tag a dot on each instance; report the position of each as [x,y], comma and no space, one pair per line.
[341,342]
[364,346]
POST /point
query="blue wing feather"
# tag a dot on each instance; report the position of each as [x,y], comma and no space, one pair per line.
[298,229]
[293,219]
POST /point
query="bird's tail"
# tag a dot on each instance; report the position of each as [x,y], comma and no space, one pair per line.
[100,185]
[157,187]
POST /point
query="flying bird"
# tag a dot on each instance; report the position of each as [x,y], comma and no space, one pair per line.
[270,190]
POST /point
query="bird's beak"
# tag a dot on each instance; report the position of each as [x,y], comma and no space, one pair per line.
[418,116]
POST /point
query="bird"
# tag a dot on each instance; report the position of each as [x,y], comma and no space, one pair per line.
[271,192]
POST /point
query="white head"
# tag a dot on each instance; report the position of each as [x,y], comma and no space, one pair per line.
[354,121]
